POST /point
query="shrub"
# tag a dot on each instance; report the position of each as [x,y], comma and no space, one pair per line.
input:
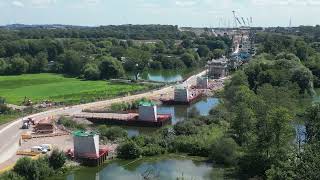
[57,159]
[112,133]
[185,128]
[128,150]
[4,109]
[10,175]
[33,169]
[69,123]
[224,151]
[152,150]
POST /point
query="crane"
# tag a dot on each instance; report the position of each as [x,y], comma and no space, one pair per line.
[244,22]
[238,21]
[235,18]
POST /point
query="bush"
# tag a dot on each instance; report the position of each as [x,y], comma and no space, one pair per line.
[112,133]
[57,159]
[69,123]
[152,150]
[155,65]
[224,151]
[91,72]
[4,109]
[33,169]
[185,128]
[128,150]
[10,175]
[188,144]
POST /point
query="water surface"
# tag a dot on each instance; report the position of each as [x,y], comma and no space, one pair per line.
[163,169]
[178,113]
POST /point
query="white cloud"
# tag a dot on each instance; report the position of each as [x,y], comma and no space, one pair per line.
[184,3]
[17,3]
[92,2]
[42,3]
[286,2]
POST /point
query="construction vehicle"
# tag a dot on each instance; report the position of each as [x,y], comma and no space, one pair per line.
[27,122]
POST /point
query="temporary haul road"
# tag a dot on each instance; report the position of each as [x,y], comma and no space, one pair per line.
[11,133]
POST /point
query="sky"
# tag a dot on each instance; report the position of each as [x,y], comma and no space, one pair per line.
[195,13]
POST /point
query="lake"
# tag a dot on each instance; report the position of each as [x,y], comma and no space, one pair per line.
[166,76]
[170,167]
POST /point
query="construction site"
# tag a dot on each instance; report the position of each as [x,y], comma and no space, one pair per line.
[40,132]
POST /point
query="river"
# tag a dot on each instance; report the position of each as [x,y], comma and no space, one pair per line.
[178,113]
[169,167]
[166,76]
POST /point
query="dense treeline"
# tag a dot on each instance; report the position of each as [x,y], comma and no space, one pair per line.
[286,46]
[104,58]
[139,32]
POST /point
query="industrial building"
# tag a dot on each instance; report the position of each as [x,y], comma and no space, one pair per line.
[218,68]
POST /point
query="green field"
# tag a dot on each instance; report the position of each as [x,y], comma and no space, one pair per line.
[38,87]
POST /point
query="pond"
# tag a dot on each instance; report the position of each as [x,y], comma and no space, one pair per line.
[167,76]
[163,168]
[179,113]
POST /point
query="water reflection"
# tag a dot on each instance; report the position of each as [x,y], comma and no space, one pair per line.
[162,75]
[170,169]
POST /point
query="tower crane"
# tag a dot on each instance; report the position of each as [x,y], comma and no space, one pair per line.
[244,22]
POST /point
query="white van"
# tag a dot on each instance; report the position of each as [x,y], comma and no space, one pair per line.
[48,147]
[38,149]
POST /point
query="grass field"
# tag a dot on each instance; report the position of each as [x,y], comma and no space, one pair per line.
[38,87]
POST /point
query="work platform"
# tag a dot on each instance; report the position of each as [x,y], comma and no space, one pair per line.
[130,119]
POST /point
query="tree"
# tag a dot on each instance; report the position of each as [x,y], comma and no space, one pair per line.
[203,51]
[312,122]
[72,62]
[42,59]
[3,66]
[110,68]
[218,53]
[303,77]
[57,159]
[27,168]
[224,151]
[159,47]
[189,60]
[128,150]
[91,72]
[18,65]
[187,43]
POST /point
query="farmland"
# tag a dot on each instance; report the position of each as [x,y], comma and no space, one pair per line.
[39,87]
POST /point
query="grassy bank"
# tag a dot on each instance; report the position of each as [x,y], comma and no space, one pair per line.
[38,87]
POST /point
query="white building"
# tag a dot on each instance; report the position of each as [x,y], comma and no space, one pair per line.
[86,144]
